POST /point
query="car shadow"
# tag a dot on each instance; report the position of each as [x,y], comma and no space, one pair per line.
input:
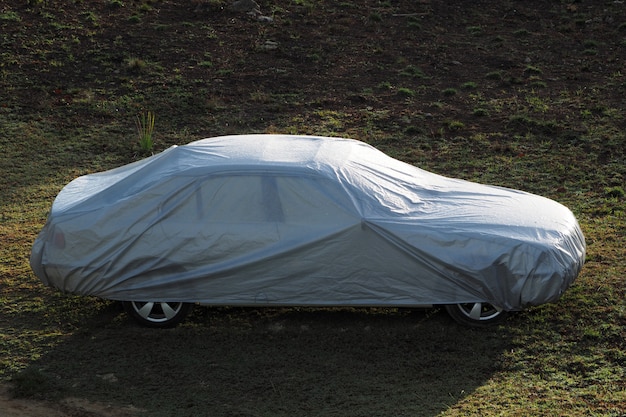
[278,361]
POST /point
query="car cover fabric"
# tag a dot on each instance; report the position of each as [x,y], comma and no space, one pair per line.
[302,220]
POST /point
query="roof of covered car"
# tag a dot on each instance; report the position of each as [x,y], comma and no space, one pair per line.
[330,157]
[280,150]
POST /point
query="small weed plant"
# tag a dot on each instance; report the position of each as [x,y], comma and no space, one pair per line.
[145,130]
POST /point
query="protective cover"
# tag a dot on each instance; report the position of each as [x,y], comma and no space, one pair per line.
[298,220]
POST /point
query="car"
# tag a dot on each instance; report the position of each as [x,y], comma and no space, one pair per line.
[285,220]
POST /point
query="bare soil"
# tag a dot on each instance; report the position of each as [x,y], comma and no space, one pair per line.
[424,63]
[69,407]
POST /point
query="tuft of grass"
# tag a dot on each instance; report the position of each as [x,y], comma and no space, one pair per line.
[406,92]
[532,70]
[615,192]
[145,7]
[494,75]
[92,18]
[469,85]
[10,16]
[475,30]
[413,71]
[135,64]
[145,130]
[456,125]
[375,17]
[480,112]
[536,83]
[590,43]
[207,61]
[134,19]
[115,3]
[414,23]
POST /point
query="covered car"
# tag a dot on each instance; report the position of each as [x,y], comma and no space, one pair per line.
[280,220]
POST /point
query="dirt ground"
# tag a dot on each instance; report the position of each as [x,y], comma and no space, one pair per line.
[436,51]
[69,407]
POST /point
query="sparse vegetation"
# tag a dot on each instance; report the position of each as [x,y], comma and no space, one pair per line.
[414,23]
[494,75]
[531,69]
[481,112]
[520,33]
[136,64]
[406,92]
[545,114]
[455,125]
[10,16]
[475,30]
[413,71]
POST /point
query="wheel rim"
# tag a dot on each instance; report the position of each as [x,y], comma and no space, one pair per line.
[480,311]
[156,312]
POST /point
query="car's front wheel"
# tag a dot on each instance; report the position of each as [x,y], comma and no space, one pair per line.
[157,314]
[476,314]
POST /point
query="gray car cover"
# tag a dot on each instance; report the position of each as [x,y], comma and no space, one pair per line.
[300,220]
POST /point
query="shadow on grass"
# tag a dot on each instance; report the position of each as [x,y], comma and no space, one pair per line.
[239,361]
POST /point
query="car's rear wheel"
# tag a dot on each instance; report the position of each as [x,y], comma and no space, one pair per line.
[476,314]
[157,314]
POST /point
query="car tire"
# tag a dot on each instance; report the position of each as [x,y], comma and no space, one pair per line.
[476,314]
[157,314]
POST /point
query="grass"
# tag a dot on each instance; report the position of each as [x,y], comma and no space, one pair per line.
[553,125]
[145,130]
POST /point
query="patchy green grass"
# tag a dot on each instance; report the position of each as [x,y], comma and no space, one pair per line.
[545,114]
